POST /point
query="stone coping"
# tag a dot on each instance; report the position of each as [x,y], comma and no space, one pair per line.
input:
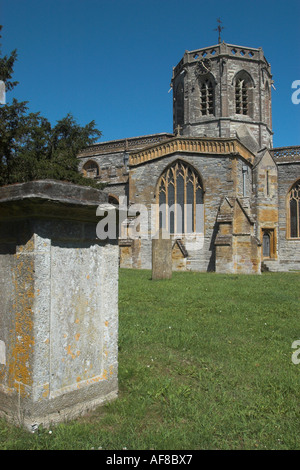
[121,145]
[60,191]
[50,199]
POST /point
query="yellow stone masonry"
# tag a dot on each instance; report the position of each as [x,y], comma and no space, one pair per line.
[194,145]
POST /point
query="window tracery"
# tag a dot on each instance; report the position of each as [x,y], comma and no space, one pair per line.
[294,210]
[180,197]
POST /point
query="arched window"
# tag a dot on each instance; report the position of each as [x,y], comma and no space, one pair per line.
[179,108]
[268,114]
[207,97]
[90,169]
[180,197]
[294,210]
[243,97]
[266,245]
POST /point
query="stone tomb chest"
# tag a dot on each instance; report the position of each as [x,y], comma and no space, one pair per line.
[59,303]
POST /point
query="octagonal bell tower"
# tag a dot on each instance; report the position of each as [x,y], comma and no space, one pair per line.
[224,91]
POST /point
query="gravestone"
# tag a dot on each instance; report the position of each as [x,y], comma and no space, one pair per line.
[59,304]
[161,256]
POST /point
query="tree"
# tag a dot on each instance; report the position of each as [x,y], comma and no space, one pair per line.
[30,148]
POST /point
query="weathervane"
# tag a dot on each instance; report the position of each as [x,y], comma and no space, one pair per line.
[219,29]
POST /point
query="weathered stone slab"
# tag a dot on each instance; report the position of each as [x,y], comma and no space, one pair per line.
[161,256]
[59,304]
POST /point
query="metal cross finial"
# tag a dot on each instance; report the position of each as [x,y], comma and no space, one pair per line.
[219,29]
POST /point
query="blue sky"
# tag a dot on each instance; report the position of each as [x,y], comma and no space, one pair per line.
[111,61]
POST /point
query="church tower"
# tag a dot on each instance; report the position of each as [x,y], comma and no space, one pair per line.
[224,91]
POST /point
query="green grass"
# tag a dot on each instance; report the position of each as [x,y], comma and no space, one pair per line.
[205,362]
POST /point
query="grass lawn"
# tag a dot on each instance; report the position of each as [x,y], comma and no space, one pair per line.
[205,362]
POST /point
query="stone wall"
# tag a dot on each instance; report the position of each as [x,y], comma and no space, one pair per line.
[266,201]
[112,171]
[289,249]
[237,248]
[112,160]
[221,176]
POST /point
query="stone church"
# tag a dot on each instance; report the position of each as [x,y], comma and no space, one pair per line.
[228,199]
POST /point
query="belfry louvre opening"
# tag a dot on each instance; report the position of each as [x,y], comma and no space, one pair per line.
[241,96]
[207,98]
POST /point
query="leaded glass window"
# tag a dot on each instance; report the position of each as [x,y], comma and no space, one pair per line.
[266,245]
[294,208]
[180,197]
